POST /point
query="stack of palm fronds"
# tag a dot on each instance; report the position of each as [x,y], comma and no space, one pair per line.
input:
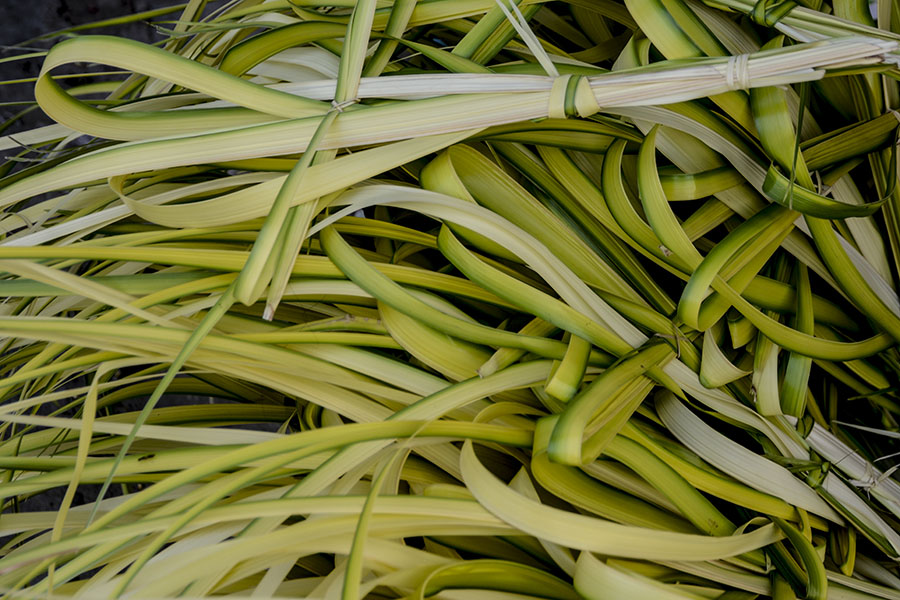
[458,299]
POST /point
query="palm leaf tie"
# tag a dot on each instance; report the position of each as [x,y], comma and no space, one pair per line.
[572,95]
[341,106]
[767,13]
[737,72]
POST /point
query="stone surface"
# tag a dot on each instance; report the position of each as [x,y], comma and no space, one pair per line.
[21,23]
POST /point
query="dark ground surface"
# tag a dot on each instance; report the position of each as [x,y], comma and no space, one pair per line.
[23,20]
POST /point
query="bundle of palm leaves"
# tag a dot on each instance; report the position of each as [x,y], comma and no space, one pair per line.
[461,299]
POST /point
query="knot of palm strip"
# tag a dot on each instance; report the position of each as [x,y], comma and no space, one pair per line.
[570,96]
[768,12]
[340,106]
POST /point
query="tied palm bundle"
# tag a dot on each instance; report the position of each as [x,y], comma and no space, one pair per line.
[458,299]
